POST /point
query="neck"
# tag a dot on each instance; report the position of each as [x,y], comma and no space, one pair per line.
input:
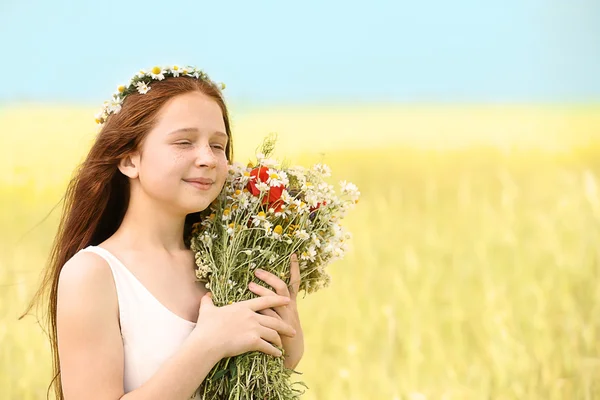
[151,226]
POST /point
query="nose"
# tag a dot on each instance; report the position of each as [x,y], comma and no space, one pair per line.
[205,157]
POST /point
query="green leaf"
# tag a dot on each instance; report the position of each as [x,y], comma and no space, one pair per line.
[220,374]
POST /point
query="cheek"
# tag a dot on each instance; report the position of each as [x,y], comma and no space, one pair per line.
[222,169]
[162,169]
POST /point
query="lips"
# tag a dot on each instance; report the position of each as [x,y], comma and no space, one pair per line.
[200,183]
[204,181]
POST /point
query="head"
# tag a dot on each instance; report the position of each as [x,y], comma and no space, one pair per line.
[170,146]
[180,165]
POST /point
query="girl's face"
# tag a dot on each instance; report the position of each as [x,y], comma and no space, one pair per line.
[182,161]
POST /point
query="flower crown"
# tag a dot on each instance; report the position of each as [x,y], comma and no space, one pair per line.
[141,83]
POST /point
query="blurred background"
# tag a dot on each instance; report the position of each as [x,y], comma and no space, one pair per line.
[471,128]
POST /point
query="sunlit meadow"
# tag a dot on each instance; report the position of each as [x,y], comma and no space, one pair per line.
[473,271]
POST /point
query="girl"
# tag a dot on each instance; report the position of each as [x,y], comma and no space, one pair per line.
[127,318]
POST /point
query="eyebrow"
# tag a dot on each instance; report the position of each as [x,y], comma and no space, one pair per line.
[180,130]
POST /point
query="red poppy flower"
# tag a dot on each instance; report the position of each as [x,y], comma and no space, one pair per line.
[260,174]
[277,205]
[257,174]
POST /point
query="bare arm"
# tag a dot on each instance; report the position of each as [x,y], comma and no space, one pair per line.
[90,345]
[181,374]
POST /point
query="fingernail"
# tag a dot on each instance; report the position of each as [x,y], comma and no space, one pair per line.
[294,257]
[259,271]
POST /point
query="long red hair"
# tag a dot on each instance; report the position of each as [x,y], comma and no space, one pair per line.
[98,194]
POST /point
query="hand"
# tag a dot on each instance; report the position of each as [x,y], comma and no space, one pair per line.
[239,328]
[293,345]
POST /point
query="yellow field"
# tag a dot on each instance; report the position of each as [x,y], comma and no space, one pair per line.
[475,261]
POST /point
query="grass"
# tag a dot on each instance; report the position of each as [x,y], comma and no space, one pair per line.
[474,265]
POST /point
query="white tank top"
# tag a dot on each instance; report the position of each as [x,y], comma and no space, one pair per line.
[151,332]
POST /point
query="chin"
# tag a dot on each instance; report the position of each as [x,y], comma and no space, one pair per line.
[196,201]
[198,205]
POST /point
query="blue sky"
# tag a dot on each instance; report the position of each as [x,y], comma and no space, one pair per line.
[311,51]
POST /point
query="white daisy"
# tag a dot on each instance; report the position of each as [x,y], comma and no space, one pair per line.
[243,201]
[311,199]
[114,107]
[267,225]
[285,196]
[277,232]
[157,73]
[309,254]
[262,186]
[315,240]
[100,117]
[206,239]
[237,168]
[322,169]
[300,206]
[338,253]
[142,88]
[226,214]
[120,90]
[257,219]
[175,70]
[329,248]
[274,177]
[350,189]
[301,234]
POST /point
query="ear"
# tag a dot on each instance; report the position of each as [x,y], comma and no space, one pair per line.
[129,165]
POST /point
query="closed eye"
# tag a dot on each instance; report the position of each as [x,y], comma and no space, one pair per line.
[184,143]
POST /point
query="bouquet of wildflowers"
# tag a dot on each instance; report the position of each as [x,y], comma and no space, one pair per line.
[265,213]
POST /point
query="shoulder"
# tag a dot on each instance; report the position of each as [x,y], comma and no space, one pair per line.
[85,269]
[86,282]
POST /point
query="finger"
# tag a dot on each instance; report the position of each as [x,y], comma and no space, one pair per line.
[261,303]
[268,348]
[277,324]
[263,291]
[271,336]
[206,300]
[273,281]
[270,313]
[294,286]
[260,290]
